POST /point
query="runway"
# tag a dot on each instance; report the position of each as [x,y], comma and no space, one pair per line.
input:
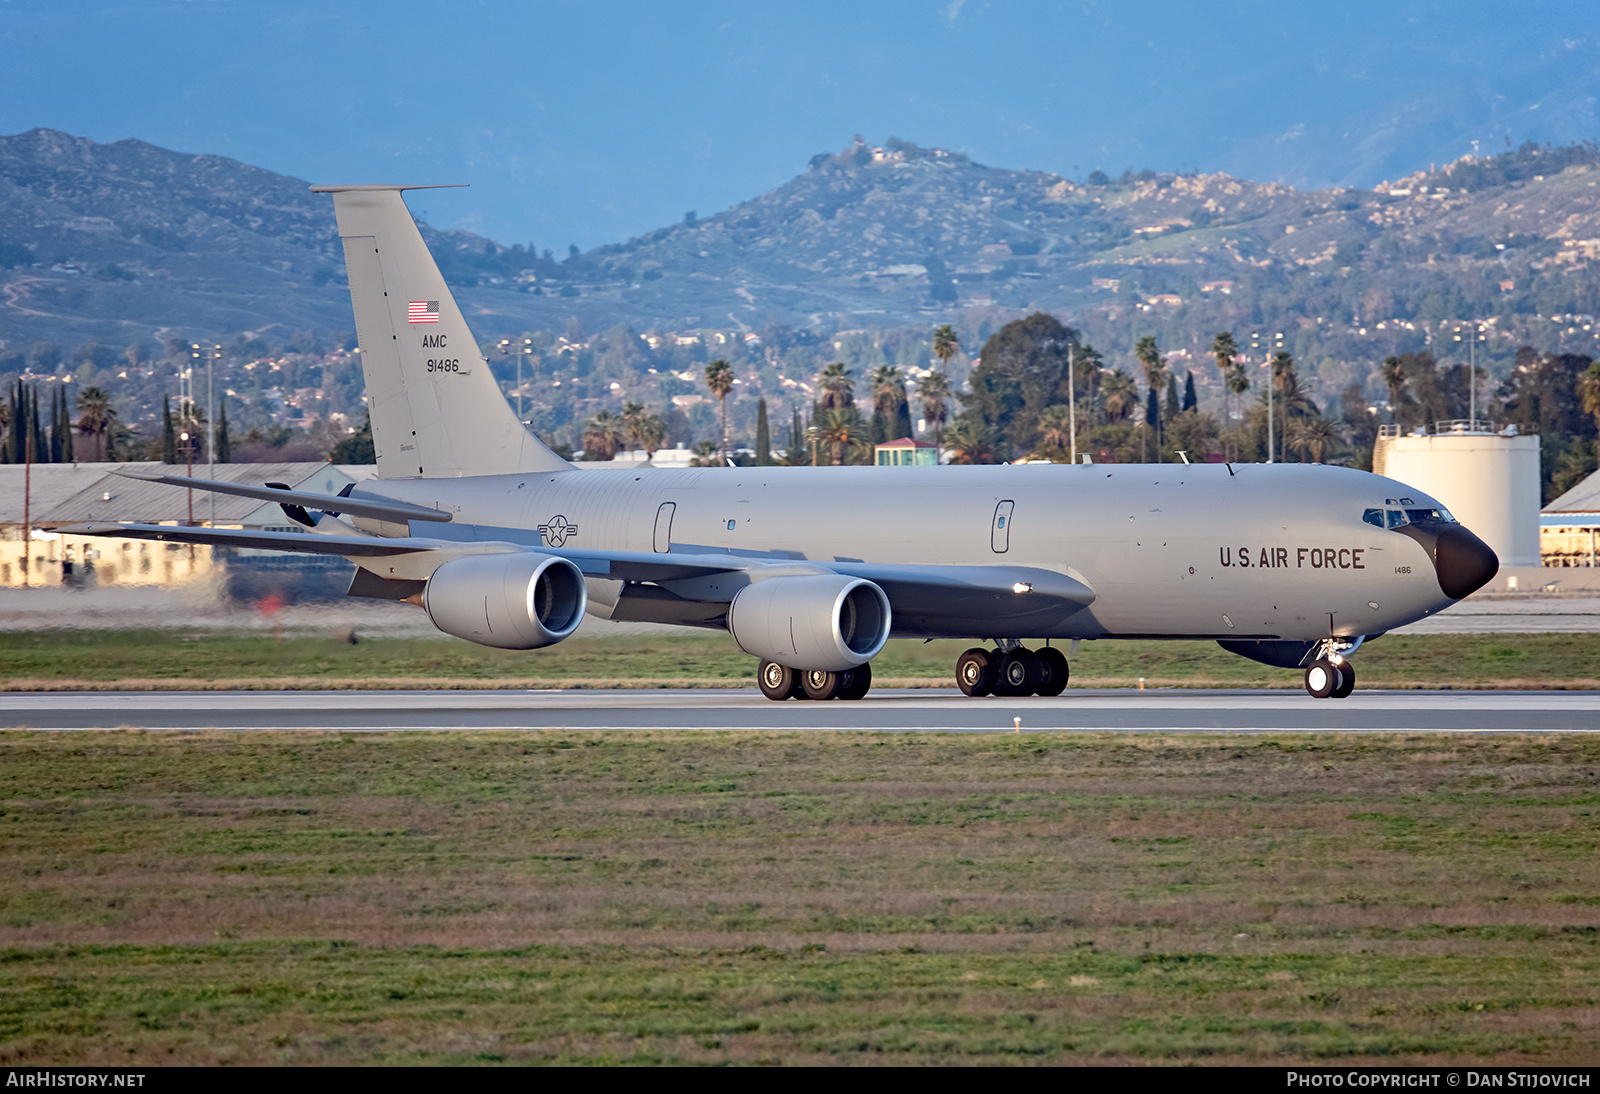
[887,710]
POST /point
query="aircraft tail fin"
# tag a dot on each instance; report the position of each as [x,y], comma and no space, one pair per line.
[436,408]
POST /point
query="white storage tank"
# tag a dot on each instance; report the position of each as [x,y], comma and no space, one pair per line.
[1488,478]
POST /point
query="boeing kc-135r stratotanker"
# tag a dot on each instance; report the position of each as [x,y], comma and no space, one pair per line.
[504,543]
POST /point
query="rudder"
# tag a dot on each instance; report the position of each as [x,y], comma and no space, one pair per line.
[436,408]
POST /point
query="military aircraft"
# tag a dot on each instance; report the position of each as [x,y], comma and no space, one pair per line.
[812,570]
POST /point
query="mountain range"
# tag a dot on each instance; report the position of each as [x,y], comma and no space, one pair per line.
[127,242]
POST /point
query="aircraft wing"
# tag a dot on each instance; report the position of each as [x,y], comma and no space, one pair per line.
[355,503]
[977,600]
[350,546]
[428,553]
[925,599]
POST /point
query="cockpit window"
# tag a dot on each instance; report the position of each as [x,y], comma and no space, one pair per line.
[1440,515]
[1395,518]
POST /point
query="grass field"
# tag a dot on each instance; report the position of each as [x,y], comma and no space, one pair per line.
[827,897]
[79,659]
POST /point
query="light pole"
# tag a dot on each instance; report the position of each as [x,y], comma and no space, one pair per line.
[1255,344]
[1472,374]
[188,459]
[1272,377]
[505,349]
[527,348]
[524,348]
[1072,405]
[210,353]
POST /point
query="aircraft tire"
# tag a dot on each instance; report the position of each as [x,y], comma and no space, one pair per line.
[1020,673]
[778,682]
[1321,678]
[1347,682]
[976,672]
[1056,672]
[859,684]
[821,686]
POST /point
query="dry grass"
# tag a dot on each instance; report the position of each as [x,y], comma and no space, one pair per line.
[746,897]
[168,660]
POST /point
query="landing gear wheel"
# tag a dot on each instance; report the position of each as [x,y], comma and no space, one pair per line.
[1020,673]
[778,682]
[1055,671]
[1321,678]
[859,684]
[1347,682]
[976,672]
[820,685]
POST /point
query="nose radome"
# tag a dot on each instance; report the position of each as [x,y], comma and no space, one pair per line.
[1463,562]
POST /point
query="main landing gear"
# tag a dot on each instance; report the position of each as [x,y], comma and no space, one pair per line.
[779,682]
[1331,676]
[1013,672]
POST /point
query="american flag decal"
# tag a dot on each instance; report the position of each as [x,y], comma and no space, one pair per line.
[422,311]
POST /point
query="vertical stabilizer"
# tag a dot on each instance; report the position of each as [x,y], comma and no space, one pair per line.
[436,409]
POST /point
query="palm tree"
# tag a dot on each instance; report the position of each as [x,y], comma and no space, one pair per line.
[650,433]
[719,378]
[705,455]
[1224,350]
[1589,391]
[1295,400]
[842,430]
[838,389]
[1394,376]
[1312,436]
[934,391]
[945,345]
[972,442]
[1119,394]
[1155,368]
[1155,376]
[632,414]
[888,388]
[95,414]
[1055,428]
[602,436]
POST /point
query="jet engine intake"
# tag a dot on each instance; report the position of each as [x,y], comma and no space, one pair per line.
[827,622]
[515,601]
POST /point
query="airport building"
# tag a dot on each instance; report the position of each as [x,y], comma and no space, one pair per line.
[905,452]
[37,501]
[1569,527]
[1487,477]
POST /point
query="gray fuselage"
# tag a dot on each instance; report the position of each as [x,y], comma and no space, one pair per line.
[1170,550]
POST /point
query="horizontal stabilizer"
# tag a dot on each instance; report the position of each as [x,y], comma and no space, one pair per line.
[357,503]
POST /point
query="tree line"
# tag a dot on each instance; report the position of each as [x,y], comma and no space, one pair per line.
[1038,390]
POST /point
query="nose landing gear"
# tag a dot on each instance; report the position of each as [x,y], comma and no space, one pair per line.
[1331,676]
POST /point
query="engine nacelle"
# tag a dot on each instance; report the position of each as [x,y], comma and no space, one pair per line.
[821,621]
[516,601]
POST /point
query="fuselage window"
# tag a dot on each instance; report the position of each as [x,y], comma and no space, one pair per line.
[1397,517]
[1373,517]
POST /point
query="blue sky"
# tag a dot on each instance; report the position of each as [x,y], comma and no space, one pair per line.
[591,122]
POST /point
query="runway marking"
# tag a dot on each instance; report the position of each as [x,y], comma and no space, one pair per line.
[1107,711]
[1244,731]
